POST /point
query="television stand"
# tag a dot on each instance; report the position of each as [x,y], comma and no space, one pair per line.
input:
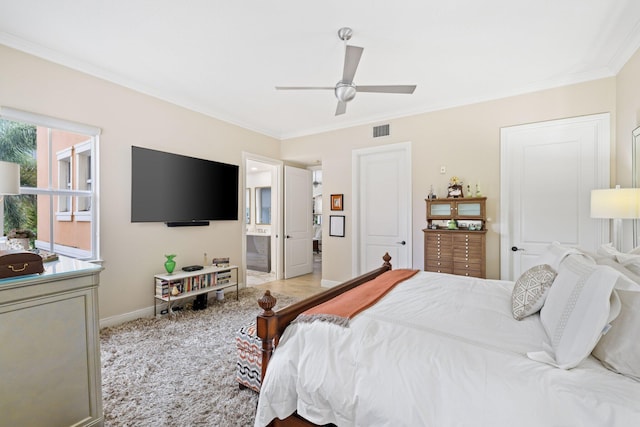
[170,288]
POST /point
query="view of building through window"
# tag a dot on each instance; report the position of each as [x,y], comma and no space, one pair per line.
[56,188]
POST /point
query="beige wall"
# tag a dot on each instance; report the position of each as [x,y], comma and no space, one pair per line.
[465,139]
[132,253]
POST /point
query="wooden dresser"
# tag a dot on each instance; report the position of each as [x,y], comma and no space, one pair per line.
[456,251]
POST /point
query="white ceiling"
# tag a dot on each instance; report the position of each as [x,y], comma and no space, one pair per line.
[224,58]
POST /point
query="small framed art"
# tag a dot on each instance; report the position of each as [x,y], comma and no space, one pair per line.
[336,225]
[336,202]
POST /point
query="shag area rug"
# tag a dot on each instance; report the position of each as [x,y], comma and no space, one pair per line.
[180,371]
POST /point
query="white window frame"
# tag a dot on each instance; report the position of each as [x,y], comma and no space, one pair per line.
[65,174]
[84,180]
[94,137]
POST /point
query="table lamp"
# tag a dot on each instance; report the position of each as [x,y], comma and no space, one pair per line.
[9,184]
[9,178]
[617,204]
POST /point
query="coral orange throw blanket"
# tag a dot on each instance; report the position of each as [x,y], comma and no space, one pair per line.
[345,306]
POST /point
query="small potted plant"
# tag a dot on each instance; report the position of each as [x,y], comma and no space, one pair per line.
[19,238]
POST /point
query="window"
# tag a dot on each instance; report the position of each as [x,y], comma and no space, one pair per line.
[83,180]
[58,182]
[64,183]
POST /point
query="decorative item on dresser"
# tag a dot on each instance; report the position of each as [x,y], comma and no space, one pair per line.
[459,250]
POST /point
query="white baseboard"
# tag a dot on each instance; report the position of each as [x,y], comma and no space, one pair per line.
[328,283]
[126,317]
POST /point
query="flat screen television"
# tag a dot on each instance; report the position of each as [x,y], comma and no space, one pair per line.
[181,190]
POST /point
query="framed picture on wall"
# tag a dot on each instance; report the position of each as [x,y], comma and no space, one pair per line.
[336,202]
[336,225]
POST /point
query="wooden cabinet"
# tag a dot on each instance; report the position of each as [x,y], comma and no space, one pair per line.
[458,251]
[470,208]
[259,252]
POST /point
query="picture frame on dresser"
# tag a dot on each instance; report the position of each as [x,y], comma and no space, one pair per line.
[455,191]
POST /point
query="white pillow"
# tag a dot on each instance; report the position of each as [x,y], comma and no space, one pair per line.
[633,279]
[554,254]
[579,306]
[607,250]
[629,261]
[530,290]
[619,348]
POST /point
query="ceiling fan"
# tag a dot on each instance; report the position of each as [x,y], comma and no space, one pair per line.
[345,90]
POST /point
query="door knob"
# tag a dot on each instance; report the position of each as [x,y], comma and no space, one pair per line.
[515,249]
[402,243]
[287,236]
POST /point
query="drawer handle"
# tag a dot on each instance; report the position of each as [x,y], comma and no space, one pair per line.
[18,270]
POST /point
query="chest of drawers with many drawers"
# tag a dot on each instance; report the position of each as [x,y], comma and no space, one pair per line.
[456,251]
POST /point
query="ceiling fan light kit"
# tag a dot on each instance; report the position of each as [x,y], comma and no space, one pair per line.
[345,90]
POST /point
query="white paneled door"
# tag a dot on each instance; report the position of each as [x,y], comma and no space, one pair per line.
[298,218]
[548,170]
[382,206]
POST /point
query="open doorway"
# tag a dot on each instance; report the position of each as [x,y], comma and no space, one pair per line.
[316,192]
[262,220]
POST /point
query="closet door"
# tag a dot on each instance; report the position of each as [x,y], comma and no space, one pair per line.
[548,170]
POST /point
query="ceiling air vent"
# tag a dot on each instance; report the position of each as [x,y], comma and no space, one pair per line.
[382,130]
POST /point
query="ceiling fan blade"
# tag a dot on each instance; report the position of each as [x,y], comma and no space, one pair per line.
[341,108]
[304,87]
[387,89]
[351,60]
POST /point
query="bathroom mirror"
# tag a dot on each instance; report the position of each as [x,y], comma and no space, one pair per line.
[247,206]
[635,179]
[263,205]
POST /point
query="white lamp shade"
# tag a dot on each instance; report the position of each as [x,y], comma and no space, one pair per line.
[623,203]
[9,178]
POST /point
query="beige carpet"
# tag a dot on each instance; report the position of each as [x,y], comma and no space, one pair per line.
[179,371]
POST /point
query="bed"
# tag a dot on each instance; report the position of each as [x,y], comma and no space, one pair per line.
[445,350]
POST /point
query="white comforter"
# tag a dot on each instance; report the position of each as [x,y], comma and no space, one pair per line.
[438,350]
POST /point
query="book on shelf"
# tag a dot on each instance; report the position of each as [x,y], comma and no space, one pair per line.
[220,262]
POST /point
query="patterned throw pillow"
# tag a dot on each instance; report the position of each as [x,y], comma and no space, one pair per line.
[531,290]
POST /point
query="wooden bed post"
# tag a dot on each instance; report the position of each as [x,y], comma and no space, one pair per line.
[386,258]
[266,328]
